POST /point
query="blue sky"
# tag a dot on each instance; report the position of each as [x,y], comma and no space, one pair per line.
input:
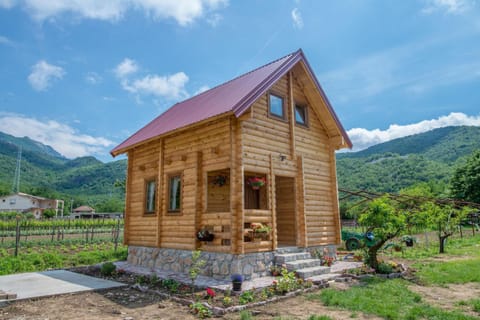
[83,75]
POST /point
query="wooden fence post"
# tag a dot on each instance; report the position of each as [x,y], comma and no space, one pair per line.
[17,236]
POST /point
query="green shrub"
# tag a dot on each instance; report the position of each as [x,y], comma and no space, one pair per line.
[384,268]
[246,297]
[107,269]
[200,310]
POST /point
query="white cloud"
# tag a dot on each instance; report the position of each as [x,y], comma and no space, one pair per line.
[297,18]
[447,6]
[363,138]
[93,78]
[6,41]
[170,86]
[214,19]
[201,89]
[7,4]
[183,11]
[126,68]
[43,74]
[63,138]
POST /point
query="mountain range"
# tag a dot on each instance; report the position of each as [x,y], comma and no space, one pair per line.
[429,157]
[426,157]
[45,172]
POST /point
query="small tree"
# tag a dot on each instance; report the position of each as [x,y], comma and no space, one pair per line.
[465,183]
[196,266]
[386,223]
[48,213]
[444,219]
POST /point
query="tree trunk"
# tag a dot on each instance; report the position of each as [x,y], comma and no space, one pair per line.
[442,239]
[372,254]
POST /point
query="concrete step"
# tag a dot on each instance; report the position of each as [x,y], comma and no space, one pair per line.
[283,250]
[306,273]
[302,264]
[287,257]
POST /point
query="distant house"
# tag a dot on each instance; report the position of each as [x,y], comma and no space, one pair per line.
[258,150]
[82,211]
[26,203]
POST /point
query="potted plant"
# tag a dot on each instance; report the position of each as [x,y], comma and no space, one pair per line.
[275,270]
[205,235]
[256,182]
[409,240]
[260,231]
[237,280]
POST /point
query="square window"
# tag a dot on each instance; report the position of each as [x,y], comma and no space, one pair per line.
[276,106]
[174,193]
[150,195]
[301,115]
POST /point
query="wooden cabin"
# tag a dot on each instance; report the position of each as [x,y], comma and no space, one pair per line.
[197,169]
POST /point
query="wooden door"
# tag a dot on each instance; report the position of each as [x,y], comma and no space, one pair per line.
[285,211]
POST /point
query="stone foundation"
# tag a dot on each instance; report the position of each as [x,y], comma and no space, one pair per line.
[218,265]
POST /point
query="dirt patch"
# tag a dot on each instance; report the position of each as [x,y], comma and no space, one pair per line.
[301,308]
[125,303]
[130,304]
[448,297]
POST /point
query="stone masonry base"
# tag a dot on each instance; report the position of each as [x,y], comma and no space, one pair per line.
[218,265]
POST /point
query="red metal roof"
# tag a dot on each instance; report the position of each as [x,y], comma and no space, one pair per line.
[233,96]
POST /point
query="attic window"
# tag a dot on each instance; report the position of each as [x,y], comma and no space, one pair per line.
[301,115]
[276,106]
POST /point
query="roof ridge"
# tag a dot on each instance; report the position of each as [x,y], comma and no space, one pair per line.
[237,77]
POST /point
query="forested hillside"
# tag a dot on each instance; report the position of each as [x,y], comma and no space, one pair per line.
[427,157]
[45,172]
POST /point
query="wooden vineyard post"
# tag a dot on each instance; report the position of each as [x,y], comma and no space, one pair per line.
[17,236]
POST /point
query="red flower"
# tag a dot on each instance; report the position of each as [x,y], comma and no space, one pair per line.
[210,292]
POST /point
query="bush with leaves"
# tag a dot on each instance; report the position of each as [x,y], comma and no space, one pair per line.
[385,221]
[196,266]
[107,269]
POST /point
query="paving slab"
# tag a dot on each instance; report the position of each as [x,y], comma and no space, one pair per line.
[50,283]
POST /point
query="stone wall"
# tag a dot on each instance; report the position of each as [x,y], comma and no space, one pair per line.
[218,265]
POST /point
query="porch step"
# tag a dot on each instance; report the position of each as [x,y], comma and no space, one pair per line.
[288,257]
[302,264]
[306,273]
[283,250]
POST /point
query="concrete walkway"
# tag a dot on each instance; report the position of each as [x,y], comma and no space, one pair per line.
[49,283]
[202,281]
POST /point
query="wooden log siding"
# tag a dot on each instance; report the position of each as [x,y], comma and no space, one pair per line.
[265,138]
[253,143]
[143,164]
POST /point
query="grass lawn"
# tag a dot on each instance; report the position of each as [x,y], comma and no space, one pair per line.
[392,299]
[43,258]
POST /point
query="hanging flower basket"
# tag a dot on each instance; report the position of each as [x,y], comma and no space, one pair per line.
[220,180]
[205,235]
[256,182]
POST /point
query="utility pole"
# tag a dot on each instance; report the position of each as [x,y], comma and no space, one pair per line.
[16,178]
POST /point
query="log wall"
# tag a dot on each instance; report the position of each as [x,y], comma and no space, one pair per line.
[297,161]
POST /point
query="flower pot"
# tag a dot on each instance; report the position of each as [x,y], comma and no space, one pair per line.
[236,285]
[206,237]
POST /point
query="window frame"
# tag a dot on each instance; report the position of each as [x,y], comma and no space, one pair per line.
[147,182]
[270,113]
[305,108]
[169,193]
